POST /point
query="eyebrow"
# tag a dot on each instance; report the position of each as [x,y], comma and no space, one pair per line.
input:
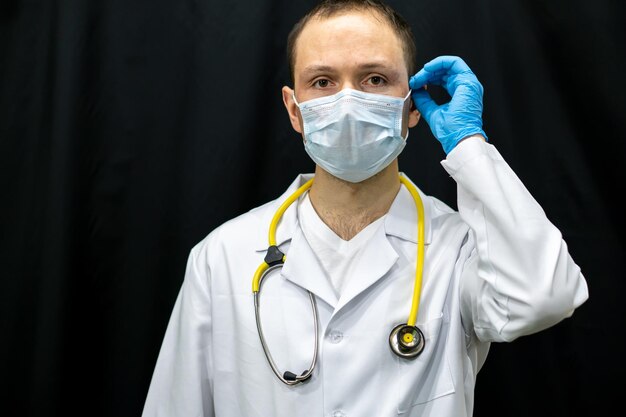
[315,68]
[376,65]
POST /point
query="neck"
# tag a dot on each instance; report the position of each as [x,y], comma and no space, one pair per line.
[347,208]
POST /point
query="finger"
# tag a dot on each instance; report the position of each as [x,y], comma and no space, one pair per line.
[424,77]
[448,64]
[424,103]
[420,79]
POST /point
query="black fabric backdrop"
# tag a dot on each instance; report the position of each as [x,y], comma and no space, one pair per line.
[130,129]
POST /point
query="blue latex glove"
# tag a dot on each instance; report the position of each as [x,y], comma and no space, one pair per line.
[462,116]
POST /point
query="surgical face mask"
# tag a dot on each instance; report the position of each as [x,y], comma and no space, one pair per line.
[353,135]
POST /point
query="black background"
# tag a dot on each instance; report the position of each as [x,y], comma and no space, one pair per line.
[130,129]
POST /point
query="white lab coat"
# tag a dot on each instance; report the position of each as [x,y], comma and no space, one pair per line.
[494,271]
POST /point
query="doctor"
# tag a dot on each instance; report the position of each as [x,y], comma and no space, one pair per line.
[493,271]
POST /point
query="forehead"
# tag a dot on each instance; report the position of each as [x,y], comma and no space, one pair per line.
[347,39]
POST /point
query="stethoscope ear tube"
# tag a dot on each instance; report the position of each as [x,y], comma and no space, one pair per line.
[406,340]
[287,377]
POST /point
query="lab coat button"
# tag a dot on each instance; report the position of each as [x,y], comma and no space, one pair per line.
[335,337]
[338,413]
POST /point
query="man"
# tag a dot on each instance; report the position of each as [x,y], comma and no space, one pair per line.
[494,271]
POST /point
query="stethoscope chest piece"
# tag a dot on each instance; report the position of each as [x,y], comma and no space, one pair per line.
[406,341]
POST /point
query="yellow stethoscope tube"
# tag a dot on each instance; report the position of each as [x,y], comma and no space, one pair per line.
[405,340]
[256,281]
[419,269]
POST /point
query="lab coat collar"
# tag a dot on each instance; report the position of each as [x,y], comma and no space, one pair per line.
[401,220]
[287,224]
[302,266]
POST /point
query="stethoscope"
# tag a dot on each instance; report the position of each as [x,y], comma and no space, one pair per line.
[406,339]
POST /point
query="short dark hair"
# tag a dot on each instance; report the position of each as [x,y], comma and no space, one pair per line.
[329,8]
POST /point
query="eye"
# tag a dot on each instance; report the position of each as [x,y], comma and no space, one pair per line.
[376,80]
[321,83]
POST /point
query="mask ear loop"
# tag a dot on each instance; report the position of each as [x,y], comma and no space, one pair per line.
[408,95]
[293,95]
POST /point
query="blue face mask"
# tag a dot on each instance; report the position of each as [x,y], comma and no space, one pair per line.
[353,135]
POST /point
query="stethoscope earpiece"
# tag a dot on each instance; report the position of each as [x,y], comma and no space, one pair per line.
[291,377]
[406,341]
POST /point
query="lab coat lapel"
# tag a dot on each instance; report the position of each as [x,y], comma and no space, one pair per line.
[376,259]
[303,268]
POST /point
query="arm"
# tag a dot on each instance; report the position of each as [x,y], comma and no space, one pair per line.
[520,278]
[182,380]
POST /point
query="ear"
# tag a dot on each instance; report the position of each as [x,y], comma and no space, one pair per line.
[292,109]
[414,115]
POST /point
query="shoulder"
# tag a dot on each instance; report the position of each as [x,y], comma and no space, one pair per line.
[449,230]
[239,233]
[247,232]
[442,214]
[442,223]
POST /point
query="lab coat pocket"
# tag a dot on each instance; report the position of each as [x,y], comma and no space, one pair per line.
[428,376]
